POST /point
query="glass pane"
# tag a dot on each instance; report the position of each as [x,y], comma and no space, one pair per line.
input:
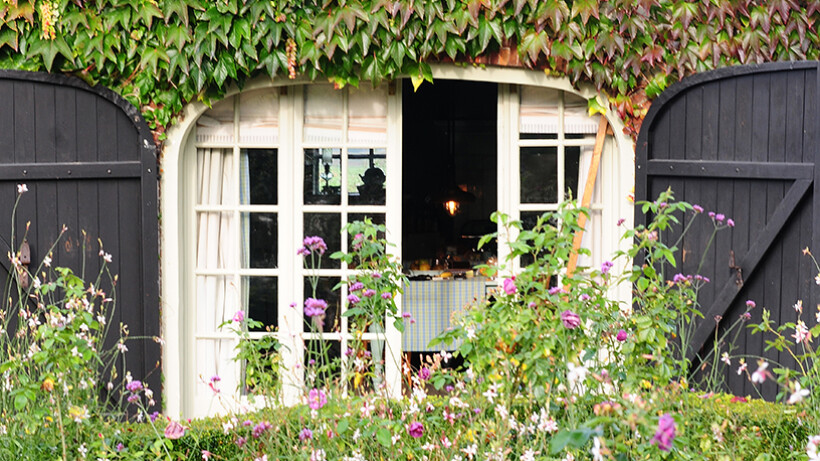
[538,112]
[528,221]
[539,174]
[259,116]
[324,107]
[329,227]
[216,124]
[322,363]
[214,177]
[367,109]
[258,177]
[323,176]
[572,189]
[259,240]
[217,300]
[215,241]
[332,320]
[376,218]
[366,176]
[261,297]
[576,116]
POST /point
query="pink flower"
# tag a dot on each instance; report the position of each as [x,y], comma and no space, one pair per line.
[174,430]
[206,455]
[239,316]
[315,307]
[570,319]
[387,296]
[369,293]
[697,208]
[356,286]
[750,304]
[424,373]
[509,286]
[759,376]
[605,267]
[621,336]
[665,433]
[316,399]
[415,429]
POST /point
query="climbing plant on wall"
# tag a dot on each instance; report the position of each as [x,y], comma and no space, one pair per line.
[161,54]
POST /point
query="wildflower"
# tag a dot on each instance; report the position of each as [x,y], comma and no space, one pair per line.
[206,455]
[239,316]
[21,189]
[621,336]
[353,299]
[133,398]
[387,295]
[742,367]
[492,392]
[711,214]
[665,433]
[153,416]
[305,434]
[719,217]
[376,275]
[745,316]
[82,449]
[725,359]
[555,290]
[528,455]
[122,347]
[134,386]
[798,306]
[605,267]
[356,286]
[369,293]
[316,399]
[260,429]
[697,208]
[445,356]
[174,430]
[241,441]
[315,244]
[315,307]
[730,222]
[261,458]
[817,279]
[620,222]
[801,332]
[424,373]
[759,376]
[597,452]
[47,261]
[415,429]
[107,257]
[737,399]
[798,394]
[812,447]
[470,451]
[509,286]
[570,319]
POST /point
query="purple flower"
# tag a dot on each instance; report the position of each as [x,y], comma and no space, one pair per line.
[387,296]
[134,386]
[369,293]
[621,336]
[745,316]
[239,316]
[305,434]
[509,286]
[424,373]
[174,430]
[260,429]
[570,319]
[621,221]
[531,305]
[711,214]
[750,304]
[665,433]
[315,307]
[583,297]
[316,399]
[120,447]
[555,290]
[133,398]
[719,217]
[358,239]
[315,244]
[376,275]
[697,208]
[415,429]
[153,416]
[730,222]
[241,441]
[679,278]
[605,267]
[353,299]
[303,252]
[356,286]
[406,315]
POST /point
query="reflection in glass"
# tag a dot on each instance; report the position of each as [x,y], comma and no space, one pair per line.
[258,177]
[539,174]
[529,219]
[323,176]
[332,320]
[259,240]
[262,300]
[366,175]
[376,218]
[329,227]
[572,161]
[322,359]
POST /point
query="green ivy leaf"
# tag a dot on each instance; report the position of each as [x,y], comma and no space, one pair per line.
[384,438]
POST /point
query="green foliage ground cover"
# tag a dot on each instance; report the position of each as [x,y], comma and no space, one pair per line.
[162,54]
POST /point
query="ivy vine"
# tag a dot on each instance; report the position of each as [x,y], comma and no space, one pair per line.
[162,54]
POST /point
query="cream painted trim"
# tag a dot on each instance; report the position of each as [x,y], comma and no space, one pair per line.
[178,388]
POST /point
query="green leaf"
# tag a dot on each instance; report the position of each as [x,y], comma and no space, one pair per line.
[384,438]
[20,402]
[342,426]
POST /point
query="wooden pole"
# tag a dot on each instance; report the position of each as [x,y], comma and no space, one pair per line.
[587,197]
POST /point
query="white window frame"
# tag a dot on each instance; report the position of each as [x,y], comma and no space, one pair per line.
[177,195]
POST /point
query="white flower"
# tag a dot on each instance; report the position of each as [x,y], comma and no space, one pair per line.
[107,257]
[596,450]
[357,456]
[798,306]
[760,374]
[492,392]
[122,347]
[725,359]
[817,279]
[741,368]
[569,457]
[812,447]
[471,331]
[357,434]
[318,455]
[47,261]
[470,451]
[801,331]
[501,411]
[82,449]
[445,356]
[22,188]
[528,455]
[367,409]
[262,458]
[798,395]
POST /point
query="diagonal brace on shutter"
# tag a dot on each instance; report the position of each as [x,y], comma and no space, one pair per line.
[749,263]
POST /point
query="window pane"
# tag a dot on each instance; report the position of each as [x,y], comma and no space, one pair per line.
[572,158]
[367,109]
[216,124]
[539,174]
[323,114]
[221,296]
[329,227]
[538,113]
[528,221]
[259,116]
[322,362]
[376,218]
[258,175]
[262,300]
[366,176]
[332,319]
[215,241]
[214,177]
[323,176]
[259,240]
[576,116]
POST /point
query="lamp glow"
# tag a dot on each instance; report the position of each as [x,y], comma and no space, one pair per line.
[451,206]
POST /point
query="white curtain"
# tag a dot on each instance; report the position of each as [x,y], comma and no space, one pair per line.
[593,235]
[216,295]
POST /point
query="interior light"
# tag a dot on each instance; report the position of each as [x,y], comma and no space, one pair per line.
[451,206]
